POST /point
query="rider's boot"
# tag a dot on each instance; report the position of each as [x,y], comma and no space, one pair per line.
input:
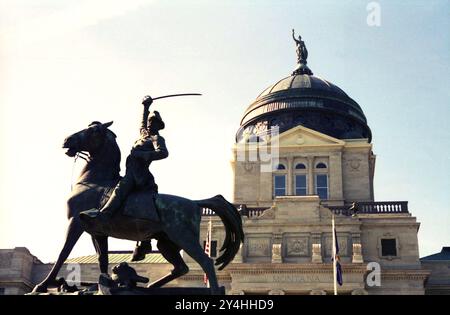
[145,247]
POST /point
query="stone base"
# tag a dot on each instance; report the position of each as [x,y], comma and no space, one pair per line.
[166,291]
[140,291]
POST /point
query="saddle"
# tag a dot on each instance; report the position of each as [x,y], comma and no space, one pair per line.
[139,204]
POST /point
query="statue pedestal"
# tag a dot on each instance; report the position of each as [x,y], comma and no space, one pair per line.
[165,291]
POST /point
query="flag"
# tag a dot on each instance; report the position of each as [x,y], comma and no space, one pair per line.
[337,259]
[207,249]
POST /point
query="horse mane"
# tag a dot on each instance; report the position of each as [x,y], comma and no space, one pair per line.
[104,163]
[112,143]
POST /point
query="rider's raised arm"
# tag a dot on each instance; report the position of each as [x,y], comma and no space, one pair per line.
[143,129]
[147,101]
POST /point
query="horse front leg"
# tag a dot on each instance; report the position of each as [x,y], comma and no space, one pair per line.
[74,232]
[101,246]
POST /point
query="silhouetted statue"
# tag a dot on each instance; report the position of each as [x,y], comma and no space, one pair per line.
[140,214]
[302,56]
[149,147]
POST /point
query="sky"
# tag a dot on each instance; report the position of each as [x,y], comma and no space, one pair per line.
[64,64]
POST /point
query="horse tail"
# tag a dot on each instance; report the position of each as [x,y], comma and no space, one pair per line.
[232,221]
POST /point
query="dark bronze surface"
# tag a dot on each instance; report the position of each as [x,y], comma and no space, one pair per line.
[177,226]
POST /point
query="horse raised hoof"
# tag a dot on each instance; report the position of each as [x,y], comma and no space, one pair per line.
[141,250]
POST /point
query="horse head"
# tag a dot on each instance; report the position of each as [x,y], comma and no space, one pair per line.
[89,140]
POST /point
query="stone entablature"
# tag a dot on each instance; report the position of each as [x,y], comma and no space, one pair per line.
[293,278]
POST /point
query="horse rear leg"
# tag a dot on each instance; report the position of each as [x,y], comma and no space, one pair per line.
[171,252]
[192,247]
[74,232]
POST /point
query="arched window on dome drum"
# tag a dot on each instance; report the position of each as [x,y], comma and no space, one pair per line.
[300,166]
[321,165]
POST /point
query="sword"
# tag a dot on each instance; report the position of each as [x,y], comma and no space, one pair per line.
[174,95]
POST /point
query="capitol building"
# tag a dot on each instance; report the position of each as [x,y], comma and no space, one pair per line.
[302,155]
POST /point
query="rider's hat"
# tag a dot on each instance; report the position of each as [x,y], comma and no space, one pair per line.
[156,119]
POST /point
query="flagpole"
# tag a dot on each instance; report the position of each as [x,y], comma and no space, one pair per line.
[209,243]
[334,255]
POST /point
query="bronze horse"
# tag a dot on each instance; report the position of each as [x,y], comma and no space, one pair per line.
[177,229]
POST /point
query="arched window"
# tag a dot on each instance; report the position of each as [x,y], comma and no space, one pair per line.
[321,165]
[280,167]
[300,166]
[280,180]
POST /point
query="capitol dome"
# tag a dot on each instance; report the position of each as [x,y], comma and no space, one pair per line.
[307,100]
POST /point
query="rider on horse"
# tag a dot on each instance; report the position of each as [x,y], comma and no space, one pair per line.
[149,147]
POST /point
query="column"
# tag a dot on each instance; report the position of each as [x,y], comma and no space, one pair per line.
[311,175]
[290,174]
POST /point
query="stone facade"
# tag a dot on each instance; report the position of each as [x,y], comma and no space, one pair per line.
[287,249]
[16,270]
[288,245]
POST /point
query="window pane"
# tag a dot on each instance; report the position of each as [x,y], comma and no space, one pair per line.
[322,186]
[323,193]
[280,185]
[300,185]
[300,166]
[389,247]
[300,181]
[321,165]
[280,181]
[321,181]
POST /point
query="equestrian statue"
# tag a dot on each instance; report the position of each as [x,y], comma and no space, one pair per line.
[104,204]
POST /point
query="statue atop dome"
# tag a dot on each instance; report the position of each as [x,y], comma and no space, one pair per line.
[302,55]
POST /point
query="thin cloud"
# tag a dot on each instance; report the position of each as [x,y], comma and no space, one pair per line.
[68,20]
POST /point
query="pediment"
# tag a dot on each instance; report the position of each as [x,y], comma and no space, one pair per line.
[302,136]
